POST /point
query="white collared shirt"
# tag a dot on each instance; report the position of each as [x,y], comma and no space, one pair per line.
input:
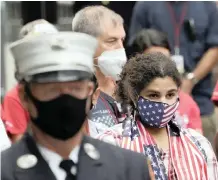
[53,159]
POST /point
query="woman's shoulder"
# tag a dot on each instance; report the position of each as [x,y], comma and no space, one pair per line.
[204,145]
[196,135]
[201,141]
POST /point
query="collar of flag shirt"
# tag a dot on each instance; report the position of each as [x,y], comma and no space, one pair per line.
[187,158]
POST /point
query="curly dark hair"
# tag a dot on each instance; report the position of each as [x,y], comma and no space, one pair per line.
[140,70]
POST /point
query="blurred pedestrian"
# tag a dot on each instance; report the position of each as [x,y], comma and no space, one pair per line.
[14,115]
[152,84]
[192,30]
[151,40]
[56,72]
[107,27]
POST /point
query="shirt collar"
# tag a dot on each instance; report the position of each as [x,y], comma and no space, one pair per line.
[107,97]
[53,157]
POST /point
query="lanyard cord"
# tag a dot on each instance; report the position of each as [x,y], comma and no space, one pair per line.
[107,107]
[177,25]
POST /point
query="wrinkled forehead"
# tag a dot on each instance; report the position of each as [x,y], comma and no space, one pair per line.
[112,29]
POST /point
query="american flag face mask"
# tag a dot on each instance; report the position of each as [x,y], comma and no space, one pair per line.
[156,114]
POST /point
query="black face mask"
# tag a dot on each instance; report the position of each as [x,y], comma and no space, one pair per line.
[61,117]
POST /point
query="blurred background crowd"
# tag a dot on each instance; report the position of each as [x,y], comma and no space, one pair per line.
[60,14]
[197,38]
[150,76]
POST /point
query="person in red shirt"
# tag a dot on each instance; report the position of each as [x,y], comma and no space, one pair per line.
[188,114]
[13,114]
[189,110]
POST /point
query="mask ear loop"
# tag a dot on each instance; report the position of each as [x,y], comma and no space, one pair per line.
[95,65]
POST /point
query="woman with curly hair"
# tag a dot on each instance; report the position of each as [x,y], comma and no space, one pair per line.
[152,40]
[150,83]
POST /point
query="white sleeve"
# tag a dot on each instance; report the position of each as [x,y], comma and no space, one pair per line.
[212,164]
[5,142]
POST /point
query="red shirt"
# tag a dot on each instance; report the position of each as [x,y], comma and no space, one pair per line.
[13,113]
[190,111]
[215,94]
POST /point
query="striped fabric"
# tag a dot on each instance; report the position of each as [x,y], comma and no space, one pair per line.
[191,157]
[187,160]
[165,158]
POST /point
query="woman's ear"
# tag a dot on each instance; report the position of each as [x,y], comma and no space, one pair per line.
[23,96]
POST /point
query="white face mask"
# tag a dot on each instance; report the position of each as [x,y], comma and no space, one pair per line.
[111,62]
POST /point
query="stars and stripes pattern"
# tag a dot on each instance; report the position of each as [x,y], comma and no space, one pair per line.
[190,156]
[156,114]
[157,164]
[130,135]
[133,141]
[165,155]
[186,160]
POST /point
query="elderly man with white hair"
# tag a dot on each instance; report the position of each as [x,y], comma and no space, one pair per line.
[110,57]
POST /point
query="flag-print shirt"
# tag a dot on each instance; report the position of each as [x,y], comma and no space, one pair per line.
[115,136]
[106,113]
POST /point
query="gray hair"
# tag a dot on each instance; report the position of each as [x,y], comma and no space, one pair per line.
[90,20]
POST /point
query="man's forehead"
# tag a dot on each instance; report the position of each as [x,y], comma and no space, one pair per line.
[111,30]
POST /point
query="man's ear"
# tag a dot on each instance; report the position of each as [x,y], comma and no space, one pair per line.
[95,96]
[23,96]
[91,88]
